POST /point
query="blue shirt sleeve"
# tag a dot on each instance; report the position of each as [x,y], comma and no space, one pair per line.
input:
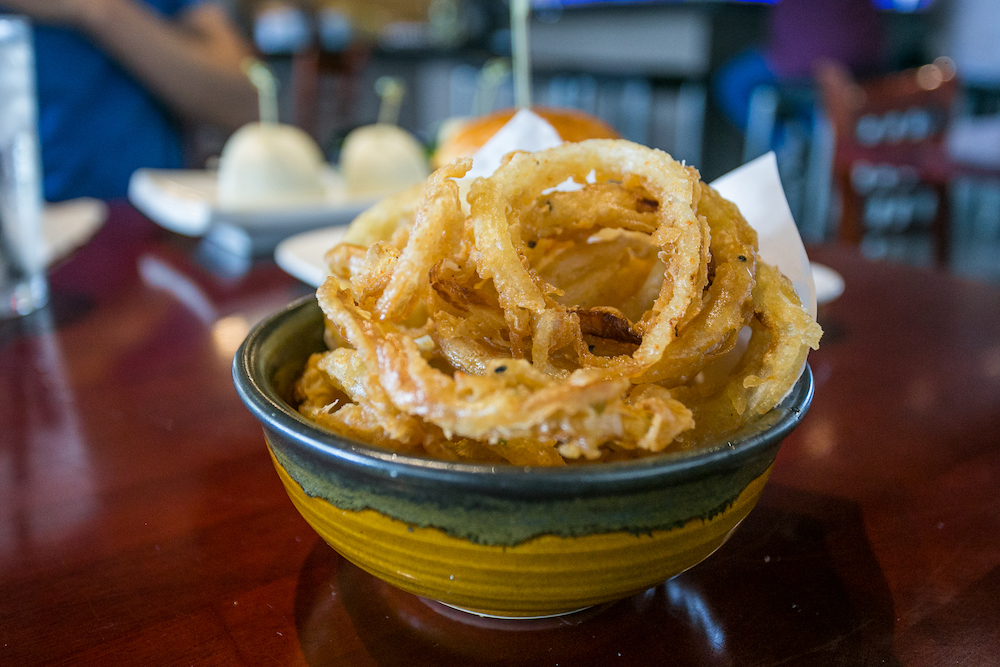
[97,123]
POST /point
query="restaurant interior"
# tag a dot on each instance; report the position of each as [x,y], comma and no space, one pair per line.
[180,269]
[673,89]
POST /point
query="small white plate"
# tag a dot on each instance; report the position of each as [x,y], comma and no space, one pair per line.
[184,201]
[829,283]
[302,255]
[68,225]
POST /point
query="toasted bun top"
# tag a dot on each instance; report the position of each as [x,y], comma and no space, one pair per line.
[571,124]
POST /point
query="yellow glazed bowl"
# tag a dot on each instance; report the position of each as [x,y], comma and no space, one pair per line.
[502,540]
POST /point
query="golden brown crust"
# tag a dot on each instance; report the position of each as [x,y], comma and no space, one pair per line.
[571,124]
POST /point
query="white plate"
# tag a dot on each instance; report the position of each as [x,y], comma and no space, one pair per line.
[829,283]
[302,255]
[184,201]
[68,225]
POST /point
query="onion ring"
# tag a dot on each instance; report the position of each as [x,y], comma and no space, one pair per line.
[548,325]
[513,401]
[680,234]
[727,303]
[381,220]
[783,331]
[436,232]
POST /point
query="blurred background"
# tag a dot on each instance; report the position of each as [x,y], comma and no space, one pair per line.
[883,113]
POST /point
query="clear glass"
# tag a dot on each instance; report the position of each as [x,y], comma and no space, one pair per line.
[23,281]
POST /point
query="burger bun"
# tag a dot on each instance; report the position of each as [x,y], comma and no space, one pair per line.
[464,137]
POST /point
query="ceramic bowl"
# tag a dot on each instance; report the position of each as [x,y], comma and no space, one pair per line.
[502,540]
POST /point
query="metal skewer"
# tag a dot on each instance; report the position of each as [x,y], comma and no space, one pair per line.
[519,11]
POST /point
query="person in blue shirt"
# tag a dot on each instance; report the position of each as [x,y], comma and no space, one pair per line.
[800,34]
[115,78]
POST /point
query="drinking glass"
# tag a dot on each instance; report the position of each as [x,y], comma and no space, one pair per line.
[23,282]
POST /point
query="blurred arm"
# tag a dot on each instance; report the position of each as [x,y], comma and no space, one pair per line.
[193,64]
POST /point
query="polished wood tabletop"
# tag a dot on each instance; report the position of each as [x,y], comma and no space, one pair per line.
[142,523]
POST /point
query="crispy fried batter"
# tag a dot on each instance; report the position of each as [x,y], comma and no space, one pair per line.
[549,325]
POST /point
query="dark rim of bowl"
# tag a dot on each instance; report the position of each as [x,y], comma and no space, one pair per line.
[262,399]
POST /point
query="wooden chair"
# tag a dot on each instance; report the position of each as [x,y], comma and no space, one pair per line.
[890,132]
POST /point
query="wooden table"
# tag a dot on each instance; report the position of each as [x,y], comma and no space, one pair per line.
[141,521]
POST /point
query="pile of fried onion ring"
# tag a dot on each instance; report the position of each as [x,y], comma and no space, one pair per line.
[586,305]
